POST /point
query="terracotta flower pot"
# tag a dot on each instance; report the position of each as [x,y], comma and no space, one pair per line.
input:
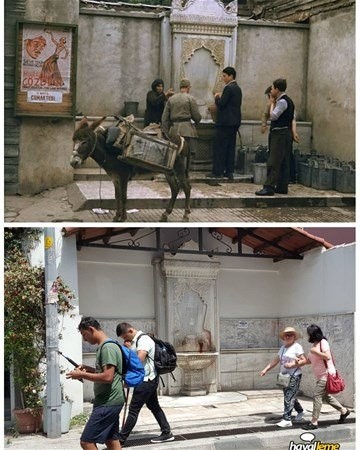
[28,420]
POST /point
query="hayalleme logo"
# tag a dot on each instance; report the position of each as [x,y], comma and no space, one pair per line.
[310,443]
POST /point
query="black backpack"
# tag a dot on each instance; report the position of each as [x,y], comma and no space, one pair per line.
[165,355]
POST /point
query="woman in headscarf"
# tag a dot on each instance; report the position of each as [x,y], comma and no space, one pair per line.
[155,102]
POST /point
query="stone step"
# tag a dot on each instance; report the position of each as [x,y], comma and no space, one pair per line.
[155,194]
[97,174]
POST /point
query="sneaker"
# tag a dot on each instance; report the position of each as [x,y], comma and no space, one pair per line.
[344,416]
[284,423]
[299,417]
[164,437]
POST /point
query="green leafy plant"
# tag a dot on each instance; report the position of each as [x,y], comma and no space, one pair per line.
[79,420]
[24,313]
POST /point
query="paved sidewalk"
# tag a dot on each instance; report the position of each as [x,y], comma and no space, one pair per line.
[243,420]
[229,202]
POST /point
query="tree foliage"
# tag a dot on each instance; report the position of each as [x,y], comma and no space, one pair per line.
[24,314]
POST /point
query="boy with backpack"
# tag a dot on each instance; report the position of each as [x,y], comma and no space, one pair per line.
[146,392]
[103,424]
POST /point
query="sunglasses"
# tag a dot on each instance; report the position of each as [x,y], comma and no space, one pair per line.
[289,335]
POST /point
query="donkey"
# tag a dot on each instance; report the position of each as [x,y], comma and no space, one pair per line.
[90,141]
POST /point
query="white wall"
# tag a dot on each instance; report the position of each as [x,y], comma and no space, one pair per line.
[247,287]
[119,283]
[116,283]
[71,343]
[323,283]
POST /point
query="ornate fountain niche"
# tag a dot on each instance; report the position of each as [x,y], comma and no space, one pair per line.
[203,43]
[187,303]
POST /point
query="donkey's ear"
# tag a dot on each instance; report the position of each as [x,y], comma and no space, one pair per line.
[95,124]
[83,123]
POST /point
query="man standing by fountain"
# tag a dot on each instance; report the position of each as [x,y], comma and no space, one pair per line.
[179,110]
[227,124]
[280,140]
[146,392]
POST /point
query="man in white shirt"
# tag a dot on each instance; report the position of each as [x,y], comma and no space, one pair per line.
[146,392]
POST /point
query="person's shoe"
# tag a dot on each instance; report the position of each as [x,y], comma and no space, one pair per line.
[164,437]
[212,175]
[344,416]
[299,417]
[284,423]
[266,190]
[230,177]
[281,191]
[309,426]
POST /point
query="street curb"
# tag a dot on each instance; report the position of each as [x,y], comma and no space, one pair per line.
[85,196]
[279,439]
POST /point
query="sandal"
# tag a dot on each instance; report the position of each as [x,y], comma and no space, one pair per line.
[344,416]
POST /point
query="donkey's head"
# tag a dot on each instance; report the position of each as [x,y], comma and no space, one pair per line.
[85,140]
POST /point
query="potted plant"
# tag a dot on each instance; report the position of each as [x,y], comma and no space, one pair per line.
[25,330]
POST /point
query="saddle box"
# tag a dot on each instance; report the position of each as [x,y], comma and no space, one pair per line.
[150,153]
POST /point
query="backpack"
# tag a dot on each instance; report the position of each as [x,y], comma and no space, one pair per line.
[165,355]
[133,369]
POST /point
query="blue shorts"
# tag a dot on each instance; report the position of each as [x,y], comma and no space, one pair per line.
[103,425]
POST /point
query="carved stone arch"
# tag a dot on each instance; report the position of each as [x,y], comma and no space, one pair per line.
[216,47]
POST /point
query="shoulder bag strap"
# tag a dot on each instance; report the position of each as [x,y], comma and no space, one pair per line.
[137,340]
[280,364]
[121,352]
[325,361]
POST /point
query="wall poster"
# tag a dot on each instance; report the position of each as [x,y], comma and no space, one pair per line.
[46,69]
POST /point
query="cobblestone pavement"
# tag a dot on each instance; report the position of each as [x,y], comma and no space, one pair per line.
[53,206]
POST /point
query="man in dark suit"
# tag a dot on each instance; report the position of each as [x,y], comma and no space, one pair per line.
[227,123]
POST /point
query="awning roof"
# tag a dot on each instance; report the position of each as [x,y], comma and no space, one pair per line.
[277,243]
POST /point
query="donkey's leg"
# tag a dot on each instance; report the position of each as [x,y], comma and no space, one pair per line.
[186,187]
[120,184]
[187,191]
[175,188]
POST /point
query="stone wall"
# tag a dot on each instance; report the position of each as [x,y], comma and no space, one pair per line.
[268,51]
[331,92]
[248,345]
[116,63]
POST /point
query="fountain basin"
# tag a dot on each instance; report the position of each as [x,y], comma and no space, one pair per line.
[196,360]
[193,365]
